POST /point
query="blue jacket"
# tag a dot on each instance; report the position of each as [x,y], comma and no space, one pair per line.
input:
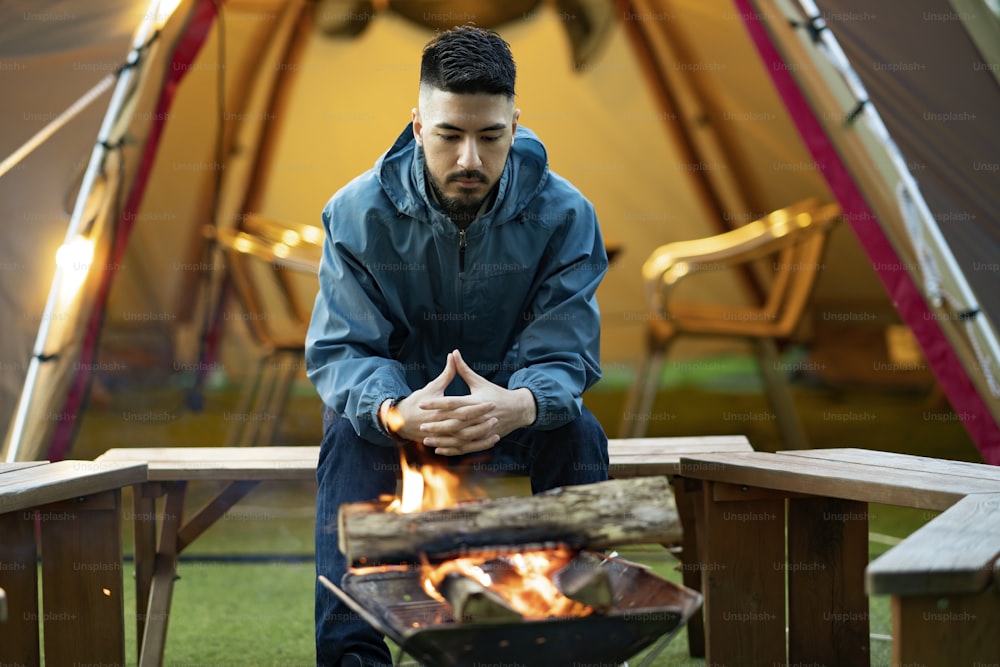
[400,286]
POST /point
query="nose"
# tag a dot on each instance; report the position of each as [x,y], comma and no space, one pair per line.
[468,155]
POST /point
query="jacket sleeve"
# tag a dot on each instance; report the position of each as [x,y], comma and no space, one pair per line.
[347,344]
[559,348]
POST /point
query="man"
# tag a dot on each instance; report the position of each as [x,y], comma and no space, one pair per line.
[458,286]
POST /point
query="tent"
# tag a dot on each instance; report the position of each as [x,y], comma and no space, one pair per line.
[138,137]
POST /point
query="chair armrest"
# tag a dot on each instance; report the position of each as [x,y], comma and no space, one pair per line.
[290,233]
[304,257]
[672,262]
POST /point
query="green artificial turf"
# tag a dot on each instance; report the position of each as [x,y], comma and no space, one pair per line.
[226,614]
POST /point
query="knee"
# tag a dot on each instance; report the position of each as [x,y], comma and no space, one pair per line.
[589,433]
[347,460]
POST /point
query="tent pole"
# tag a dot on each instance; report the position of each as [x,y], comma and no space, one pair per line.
[681,101]
[145,33]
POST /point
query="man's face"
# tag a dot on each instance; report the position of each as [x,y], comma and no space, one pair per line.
[465,139]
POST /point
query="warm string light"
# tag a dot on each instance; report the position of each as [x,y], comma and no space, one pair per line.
[74,259]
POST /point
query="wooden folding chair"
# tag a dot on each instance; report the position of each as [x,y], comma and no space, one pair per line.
[276,247]
[795,239]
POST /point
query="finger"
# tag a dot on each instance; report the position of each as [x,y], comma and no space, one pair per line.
[465,371]
[477,437]
[467,448]
[456,407]
[441,382]
[459,429]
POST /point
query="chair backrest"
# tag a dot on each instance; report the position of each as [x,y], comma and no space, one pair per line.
[794,237]
[264,247]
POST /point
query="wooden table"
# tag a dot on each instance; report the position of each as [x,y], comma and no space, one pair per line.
[816,502]
[71,512]
[170,470]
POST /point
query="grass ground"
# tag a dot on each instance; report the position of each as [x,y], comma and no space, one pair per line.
[246,587]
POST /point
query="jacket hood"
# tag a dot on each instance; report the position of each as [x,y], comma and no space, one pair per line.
[401,173]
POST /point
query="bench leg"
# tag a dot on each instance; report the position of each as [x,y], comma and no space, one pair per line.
[19,635]
[161,586]
[688,507]
[82,580]
[946,630]
[144,549]
[827,606]
[741,540]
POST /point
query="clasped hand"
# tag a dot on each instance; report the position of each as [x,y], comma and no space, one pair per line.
[454,425]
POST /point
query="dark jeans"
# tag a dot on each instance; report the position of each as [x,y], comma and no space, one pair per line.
[355,470]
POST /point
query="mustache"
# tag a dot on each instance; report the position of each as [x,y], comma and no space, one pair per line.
[468,175]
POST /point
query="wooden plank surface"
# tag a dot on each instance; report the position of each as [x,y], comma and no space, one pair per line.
[947,631]
[82,591]
[955,553]
[743,590]
[836,479]
[221,463]
[43,484]
[827,606]
[629,457]
[6,466]
[635,457]
[19,634]
[666,448]
[906,461]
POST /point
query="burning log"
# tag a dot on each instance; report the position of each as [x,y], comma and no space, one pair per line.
[472,602]
[595,516]
[585,580]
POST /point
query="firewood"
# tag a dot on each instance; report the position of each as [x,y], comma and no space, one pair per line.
[471,602]
[585,580]
[594,516]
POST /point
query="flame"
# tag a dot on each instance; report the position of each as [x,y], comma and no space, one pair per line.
[394,419]
[425,486]
[523,579]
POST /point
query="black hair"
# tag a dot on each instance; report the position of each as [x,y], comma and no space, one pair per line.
[467,60]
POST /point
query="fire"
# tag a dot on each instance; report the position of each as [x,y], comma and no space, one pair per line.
[425,486]
[394,419]
[523,580]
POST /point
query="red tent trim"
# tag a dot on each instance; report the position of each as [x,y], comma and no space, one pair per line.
[185,51]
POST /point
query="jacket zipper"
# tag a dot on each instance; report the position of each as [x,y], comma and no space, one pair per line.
[462,243]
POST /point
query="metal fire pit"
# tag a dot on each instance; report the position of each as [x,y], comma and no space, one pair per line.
[645,608]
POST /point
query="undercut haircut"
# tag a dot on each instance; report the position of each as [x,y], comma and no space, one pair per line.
[468,60]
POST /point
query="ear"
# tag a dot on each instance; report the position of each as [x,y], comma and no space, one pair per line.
[418,126]
[513,125]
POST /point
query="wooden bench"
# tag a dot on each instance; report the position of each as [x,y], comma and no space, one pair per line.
[944,580]
[70,511]
[815,501]
[171,469]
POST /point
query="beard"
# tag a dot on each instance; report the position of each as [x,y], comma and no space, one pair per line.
[461,210]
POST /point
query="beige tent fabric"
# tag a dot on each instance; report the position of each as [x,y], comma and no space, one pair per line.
[604,126]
